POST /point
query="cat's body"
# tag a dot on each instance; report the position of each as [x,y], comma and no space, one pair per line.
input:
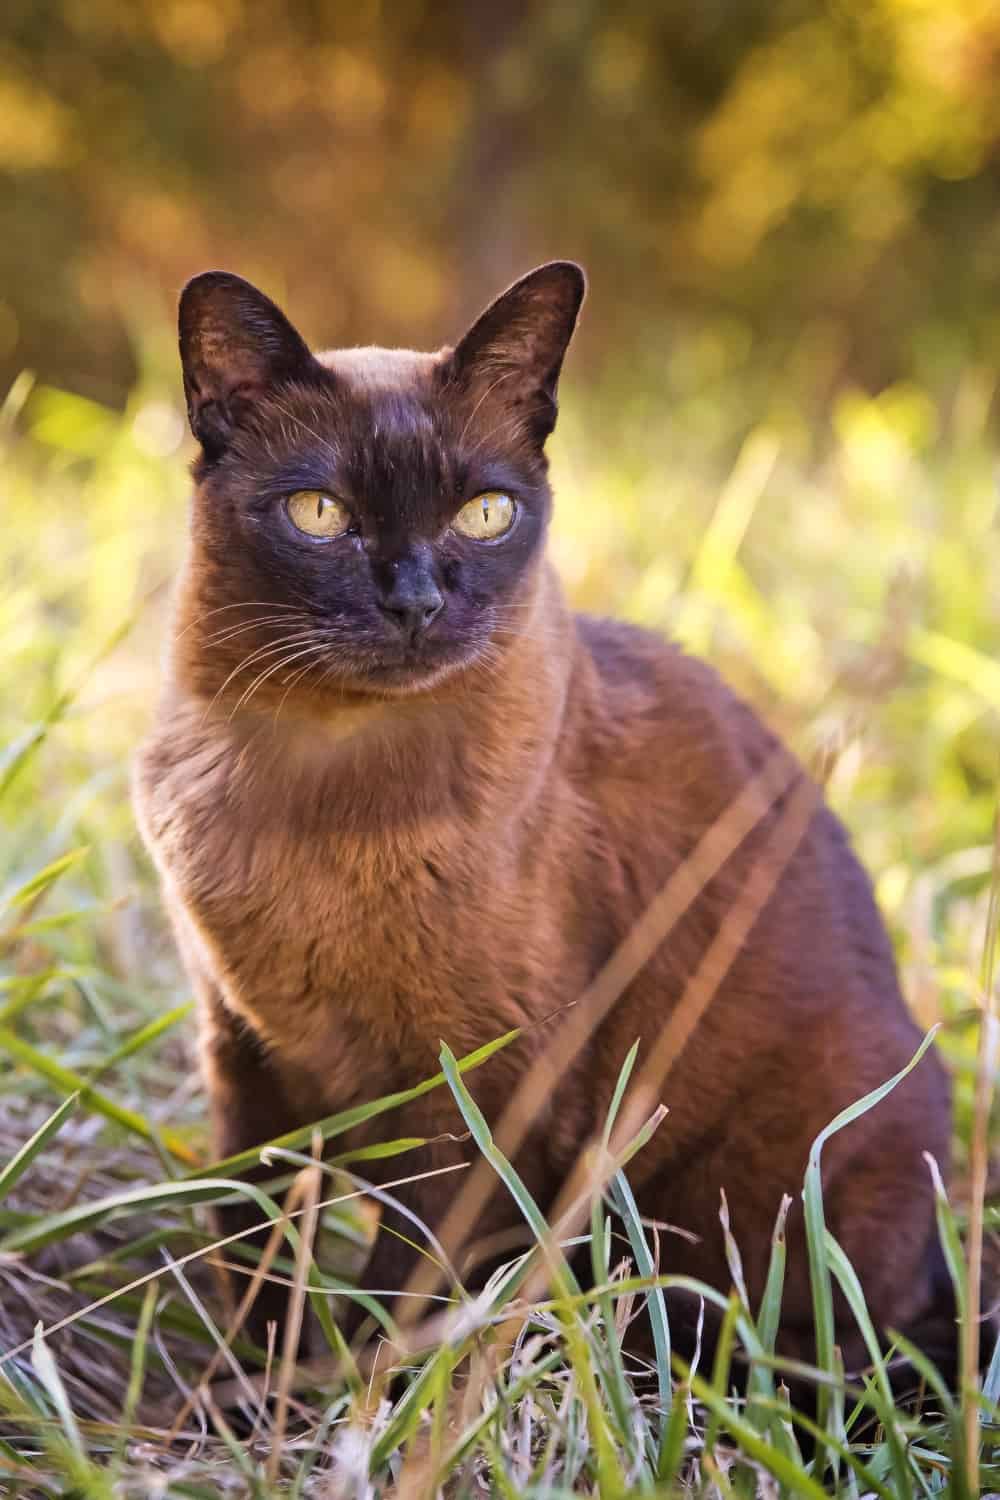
[448,840]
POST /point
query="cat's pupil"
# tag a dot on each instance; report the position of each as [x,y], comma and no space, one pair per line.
[320,502]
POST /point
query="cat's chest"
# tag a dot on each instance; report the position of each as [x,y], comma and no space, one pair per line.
[325,936]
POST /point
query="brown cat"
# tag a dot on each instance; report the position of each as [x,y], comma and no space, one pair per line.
[398,794]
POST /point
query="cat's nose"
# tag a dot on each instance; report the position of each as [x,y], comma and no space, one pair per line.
[412,605]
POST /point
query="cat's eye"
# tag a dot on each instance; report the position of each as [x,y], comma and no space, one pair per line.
[317,514]
[488,516]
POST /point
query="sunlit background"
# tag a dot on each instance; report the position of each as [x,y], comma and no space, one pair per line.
[779,419]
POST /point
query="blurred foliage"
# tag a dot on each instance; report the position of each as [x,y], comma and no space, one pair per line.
[815,178]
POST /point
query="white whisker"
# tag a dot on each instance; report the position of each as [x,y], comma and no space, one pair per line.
[259,681]
[254,656]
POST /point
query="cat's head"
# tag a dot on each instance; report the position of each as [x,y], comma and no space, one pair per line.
[368,519]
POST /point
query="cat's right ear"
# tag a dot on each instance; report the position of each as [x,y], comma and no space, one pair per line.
[515,348]
[235,344]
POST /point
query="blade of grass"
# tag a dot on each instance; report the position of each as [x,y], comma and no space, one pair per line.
[815,1221]
[611,1478]
[69,1082]
[721,1366]
[986,1067]
[39,883]
[656,1302]
[613,1369]
[870,1482]
[312,1180]
[33,1147]
[338,1124]
[788,1474]
[141,1039]
[49,1228]
[137,1376]
[48,1373]
[850,1286]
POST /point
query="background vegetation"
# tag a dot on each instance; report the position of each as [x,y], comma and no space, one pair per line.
[777,443]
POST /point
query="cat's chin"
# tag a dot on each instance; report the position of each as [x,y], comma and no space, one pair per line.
[396,671]
[404,679]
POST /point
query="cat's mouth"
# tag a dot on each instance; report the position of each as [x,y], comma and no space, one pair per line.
[415,665]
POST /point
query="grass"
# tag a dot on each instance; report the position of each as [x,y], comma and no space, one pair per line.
[843,575]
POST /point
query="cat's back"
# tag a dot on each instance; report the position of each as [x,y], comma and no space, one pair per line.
[665,749]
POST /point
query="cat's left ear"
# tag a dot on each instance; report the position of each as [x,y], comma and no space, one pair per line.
[235,344]
[516,347]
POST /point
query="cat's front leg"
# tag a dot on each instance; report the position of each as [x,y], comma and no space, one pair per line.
[249,1104]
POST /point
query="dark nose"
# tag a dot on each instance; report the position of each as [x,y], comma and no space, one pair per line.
[413,600]
[413,618]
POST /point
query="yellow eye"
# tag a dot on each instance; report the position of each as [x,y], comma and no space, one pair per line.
[317,514]
[488,516]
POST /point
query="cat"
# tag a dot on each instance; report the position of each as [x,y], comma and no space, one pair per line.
[399,794]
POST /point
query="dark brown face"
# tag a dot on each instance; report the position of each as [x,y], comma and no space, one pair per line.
[367,520]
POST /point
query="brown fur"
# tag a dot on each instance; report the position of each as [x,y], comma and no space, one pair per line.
[359,869]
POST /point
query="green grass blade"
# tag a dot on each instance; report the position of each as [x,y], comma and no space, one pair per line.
[610,1476]
[761,1381]
[671,1453]
[347,1119]
[951,1246]
[721,1365]
[50,1228]
[656,1302]
[733,1258]
[870,1482]
[22,1159]
[511,1179]
[850,1286]
[926,1369]
[625,1073]
[48,1373]
[141,1039]
[137,1371]
[69,1082]
[769,1313]
[819,1271]
[948,1235]
[40,882]
[794,1479]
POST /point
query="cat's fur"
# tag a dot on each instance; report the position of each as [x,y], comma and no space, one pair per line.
[394,840]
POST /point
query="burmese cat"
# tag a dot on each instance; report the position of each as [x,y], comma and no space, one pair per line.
[398,794]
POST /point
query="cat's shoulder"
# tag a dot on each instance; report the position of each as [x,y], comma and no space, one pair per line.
[652,698]
[631,659]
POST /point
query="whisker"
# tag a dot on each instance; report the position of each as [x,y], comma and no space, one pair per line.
[270,671]
[229,631]
[257,655]
[297,677]
[243,604]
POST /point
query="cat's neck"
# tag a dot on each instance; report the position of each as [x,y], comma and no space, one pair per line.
[477,745]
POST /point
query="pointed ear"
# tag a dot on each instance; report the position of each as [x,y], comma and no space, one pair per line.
[516,346]
[235,344]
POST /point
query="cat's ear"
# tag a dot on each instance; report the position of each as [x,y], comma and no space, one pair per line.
[235,344]
[516,347]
